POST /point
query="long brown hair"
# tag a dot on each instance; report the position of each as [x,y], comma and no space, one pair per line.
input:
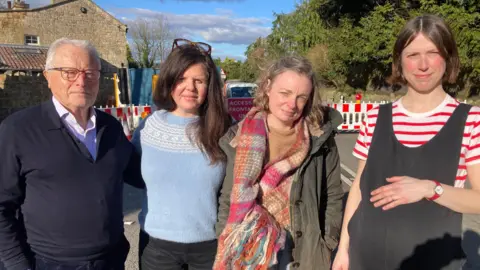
[213,120]
[436,30]
[313,110]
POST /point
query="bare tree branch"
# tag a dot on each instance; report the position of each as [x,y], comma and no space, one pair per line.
[152,40]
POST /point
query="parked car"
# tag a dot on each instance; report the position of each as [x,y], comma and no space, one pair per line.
[240,89]
[239,98]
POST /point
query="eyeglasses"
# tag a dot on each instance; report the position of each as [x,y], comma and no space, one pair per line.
[204,47]
[71,74]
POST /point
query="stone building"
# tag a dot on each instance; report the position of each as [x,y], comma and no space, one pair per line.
[22,83]
[26,34]
[76,19]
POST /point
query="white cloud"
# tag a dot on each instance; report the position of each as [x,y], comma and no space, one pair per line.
[217,51]
[215,28]
[239,34]
[223,11]
[138,12]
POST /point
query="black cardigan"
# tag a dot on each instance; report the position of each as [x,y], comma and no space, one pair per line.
[70,204]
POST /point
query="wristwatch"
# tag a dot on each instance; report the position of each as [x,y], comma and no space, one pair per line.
[438,191]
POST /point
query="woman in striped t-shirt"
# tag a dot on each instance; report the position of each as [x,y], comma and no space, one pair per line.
[404,207]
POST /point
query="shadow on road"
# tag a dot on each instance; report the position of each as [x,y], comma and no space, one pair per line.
[440,249]
[471,247]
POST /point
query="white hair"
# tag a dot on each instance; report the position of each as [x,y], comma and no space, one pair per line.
[84,44]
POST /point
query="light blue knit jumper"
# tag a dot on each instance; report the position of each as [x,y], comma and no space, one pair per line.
[182,187]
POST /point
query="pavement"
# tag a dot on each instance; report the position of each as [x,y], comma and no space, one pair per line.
[132,202]
[348,163]
[133,197]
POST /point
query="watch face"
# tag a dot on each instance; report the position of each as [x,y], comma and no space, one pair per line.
[439,190]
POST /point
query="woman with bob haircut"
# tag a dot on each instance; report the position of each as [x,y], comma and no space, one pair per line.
[282,187]
[405,206]
[182,164]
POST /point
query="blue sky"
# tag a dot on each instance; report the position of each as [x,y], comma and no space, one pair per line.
[228,25]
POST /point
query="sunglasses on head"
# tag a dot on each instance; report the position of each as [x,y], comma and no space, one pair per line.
[204,47]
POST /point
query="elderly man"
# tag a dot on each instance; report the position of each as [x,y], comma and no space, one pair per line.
[62,170]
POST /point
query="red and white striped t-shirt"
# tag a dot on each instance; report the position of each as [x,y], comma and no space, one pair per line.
[415,129]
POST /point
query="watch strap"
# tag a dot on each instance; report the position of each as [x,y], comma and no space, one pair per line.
[435,195]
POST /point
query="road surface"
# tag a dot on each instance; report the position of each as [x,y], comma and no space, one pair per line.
[349,163]
[133,197]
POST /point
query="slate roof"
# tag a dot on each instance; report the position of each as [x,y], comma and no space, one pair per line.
[22,57]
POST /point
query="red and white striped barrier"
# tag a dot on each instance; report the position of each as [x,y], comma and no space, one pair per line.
[118,112]
[130,116]
[353,114]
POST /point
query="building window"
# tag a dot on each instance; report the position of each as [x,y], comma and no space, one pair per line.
[32,40]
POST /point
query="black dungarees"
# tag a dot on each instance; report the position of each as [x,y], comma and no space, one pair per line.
[422,235]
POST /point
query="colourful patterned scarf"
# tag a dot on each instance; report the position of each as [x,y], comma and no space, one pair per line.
[255,229]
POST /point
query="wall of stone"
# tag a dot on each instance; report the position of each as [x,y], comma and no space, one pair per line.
[65,19]
[18,92]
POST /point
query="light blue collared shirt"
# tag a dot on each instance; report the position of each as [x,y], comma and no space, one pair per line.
[87,136]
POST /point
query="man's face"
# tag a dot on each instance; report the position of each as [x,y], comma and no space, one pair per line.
[74,90]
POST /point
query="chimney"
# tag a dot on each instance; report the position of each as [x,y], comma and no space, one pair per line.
[20,5]
[9,4]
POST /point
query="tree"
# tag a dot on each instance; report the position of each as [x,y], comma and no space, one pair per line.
[232,67]
[350,42]
[257,55]
[217,61]
[236,70]
[463,17]
[151,40]
[131,61]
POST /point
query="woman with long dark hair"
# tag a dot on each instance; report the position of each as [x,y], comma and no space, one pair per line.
[182,164]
